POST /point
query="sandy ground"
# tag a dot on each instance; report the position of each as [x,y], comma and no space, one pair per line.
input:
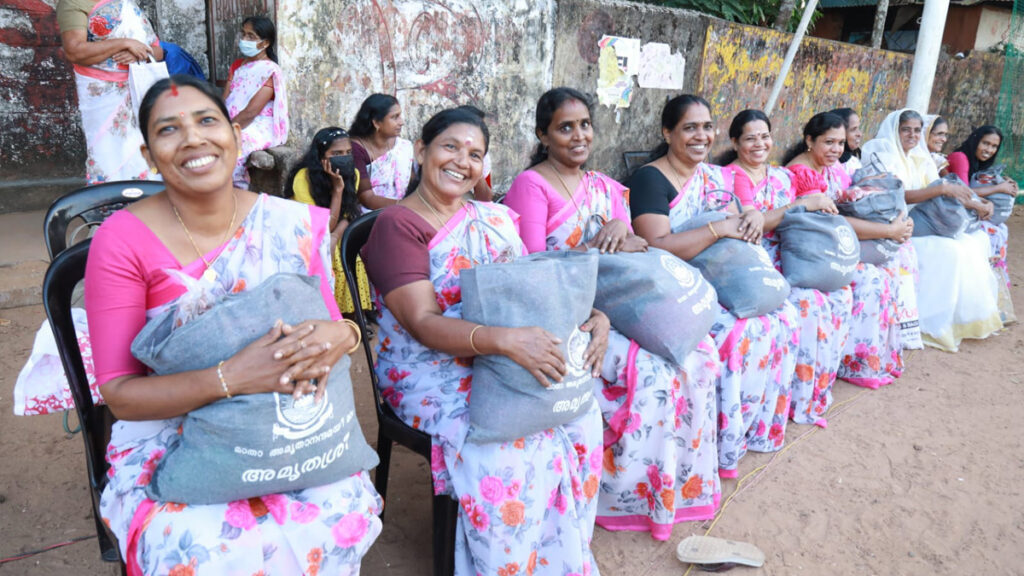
[921,477]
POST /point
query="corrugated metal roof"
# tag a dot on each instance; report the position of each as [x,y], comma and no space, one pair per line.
[857,3]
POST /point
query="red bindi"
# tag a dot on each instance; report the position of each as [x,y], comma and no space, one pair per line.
[174,89]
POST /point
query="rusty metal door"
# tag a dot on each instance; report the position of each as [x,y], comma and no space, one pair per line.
[224,23]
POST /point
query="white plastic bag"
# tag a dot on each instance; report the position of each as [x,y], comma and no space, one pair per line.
[142,76]
[42,387]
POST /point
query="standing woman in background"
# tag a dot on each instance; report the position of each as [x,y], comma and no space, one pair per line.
[384,159]
[315,181]
[757,355]
[101,39]
[823,318]
[850,158]
[255,93]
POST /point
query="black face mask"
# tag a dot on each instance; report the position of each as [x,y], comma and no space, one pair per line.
[344,165]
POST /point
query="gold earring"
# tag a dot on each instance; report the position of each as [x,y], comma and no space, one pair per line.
[154,169]
[239,153]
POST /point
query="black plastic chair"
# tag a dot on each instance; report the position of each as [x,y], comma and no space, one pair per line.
[389,427]
[92,205]
[66,270]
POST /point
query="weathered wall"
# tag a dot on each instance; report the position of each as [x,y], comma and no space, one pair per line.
[581,24]
[183,22]
[40,139]
[431,54]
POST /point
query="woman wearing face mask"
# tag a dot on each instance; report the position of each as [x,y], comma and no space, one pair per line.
[872,354]
[757,356]
[850,159]
[978,152]
[315,181]
[824,317]
[255,93]
[651,449]
[385,160]
[957,290]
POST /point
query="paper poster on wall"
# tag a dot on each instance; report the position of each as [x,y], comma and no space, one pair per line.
[659,68]
[618,62]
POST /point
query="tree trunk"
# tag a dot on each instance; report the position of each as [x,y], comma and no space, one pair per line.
[785,15]
[879,29]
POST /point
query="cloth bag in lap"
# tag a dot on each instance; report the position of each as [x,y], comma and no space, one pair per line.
[1003,203]
[817,250]
[941,215]
[253,444]
[883,201]
[743,275]
[656,299]
[552,290]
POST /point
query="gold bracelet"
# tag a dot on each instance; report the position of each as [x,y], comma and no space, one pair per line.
[713,233]
[471,344]
[223,382]
[359,334]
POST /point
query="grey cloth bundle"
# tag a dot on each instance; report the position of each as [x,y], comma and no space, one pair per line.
[656,299]
[253,444]
[941,215]
[743,275]
[884,201]
[1003,203]
[817,250]
[552,290]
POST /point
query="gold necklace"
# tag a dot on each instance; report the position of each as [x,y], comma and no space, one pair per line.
[437,215]
[752,175]
[568,192]
[208,274]
[675,172]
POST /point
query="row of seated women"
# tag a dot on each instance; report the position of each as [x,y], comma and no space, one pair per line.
[647,454]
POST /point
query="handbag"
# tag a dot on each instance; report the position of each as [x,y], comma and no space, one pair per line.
[141,77]
[656,299]
[817,250]
[252,444]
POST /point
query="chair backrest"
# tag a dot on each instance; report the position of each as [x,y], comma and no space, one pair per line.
[352,241]
[63,274]
[92,205]
[634,160]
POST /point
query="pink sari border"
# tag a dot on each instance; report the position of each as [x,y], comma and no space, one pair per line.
[642,523]
[134,532]
[444,231]
[621,416]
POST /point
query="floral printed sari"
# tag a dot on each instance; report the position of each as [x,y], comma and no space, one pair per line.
[270,127]
[823,318]
[527,506]
[326,529]
[391,171]
[660,461]
[112,135]
[757,353]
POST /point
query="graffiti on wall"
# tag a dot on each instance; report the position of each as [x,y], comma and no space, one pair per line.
[430,54]
[37,94]
[741,63]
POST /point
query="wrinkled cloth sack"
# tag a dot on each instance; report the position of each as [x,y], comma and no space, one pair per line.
[941,215]
[817,250]
[656,299]
[1003,203]
[253,444]
[552,290]
[743,275]
[883,200]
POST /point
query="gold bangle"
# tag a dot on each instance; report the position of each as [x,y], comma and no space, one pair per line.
[359,334]
[471,344]
[223,382]
[713,233]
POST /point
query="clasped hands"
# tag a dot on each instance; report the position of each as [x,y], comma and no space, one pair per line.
[290,359]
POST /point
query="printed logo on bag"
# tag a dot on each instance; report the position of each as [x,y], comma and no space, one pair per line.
[576,373]
[678,270]
[847,241]
[763,256]
[297,419]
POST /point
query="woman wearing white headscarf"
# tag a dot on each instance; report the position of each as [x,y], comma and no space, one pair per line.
[957,291]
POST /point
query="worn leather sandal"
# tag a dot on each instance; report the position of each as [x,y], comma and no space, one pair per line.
[718,554]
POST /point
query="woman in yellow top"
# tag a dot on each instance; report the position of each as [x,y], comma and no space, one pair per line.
[332,184]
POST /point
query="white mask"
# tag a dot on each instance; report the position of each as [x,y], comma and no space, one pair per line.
[249,48]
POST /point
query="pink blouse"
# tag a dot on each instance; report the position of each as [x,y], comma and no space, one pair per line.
[959,165]
[125,276]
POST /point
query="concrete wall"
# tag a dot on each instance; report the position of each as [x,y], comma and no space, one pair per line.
[993,27]
[183,22]
[430,54]
[581,24]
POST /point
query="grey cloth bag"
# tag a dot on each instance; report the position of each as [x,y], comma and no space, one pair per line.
[941,215]
[743,275]
[884,203]
[1003,203]
[552,290]
[253,444]
[817,250]
[656,299]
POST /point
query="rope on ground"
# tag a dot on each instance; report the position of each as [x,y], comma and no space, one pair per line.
[757,473]
[24,555]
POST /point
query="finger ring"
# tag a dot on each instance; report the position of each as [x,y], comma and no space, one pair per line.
[301,343]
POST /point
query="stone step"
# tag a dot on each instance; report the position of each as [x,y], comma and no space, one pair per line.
[21,284]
